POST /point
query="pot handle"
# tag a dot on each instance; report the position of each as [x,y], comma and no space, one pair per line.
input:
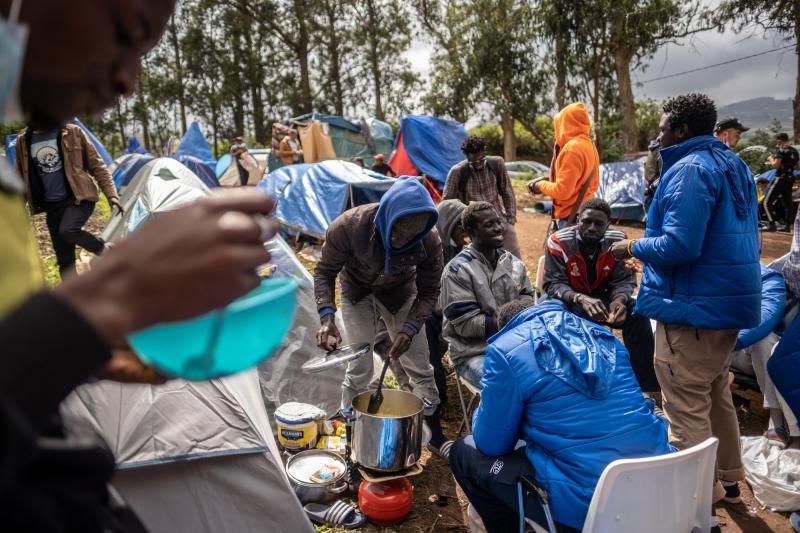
[338,490]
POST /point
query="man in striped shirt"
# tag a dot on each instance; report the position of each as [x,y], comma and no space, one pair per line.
[591,283]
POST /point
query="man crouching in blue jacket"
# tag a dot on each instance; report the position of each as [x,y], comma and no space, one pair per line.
[563,385]
[702,279]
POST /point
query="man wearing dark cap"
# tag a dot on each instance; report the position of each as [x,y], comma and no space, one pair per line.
[381,167]
[729,131]
[782,141]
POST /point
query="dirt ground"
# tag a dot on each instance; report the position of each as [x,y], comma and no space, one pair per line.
[436,478]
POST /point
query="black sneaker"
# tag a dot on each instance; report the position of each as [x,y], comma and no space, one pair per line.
[768,227]
[732,493]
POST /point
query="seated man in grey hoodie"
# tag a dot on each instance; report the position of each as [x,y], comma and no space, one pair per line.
[476,283]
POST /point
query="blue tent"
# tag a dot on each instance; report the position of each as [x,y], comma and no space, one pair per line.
[11,142]
[200,168]
[127,167]
[622,185]
[134,147]
[429,145]
[195,144]
[311,196]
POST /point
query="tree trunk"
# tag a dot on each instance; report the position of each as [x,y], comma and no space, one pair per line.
[256,96]
[176,50]
[302,51]
[143,116]
[373,58]
[235,81]
[335,60]
[629,131]
[214,115]
[598,134]
[561,72]
[120,122]
[509,139]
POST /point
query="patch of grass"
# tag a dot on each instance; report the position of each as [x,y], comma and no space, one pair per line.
[51,275]
[102,210]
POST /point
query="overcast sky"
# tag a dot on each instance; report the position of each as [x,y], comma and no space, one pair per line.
[767,75]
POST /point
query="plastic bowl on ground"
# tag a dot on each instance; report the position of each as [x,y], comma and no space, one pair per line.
[225,341]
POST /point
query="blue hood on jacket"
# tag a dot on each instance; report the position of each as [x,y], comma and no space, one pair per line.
[742,191]
[406,197]
[578,352]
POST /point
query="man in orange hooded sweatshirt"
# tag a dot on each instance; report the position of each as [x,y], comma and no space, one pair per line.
[575,169]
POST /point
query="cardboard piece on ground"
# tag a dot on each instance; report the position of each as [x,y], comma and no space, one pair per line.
[376,477]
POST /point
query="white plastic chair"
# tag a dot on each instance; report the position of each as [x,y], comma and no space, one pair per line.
[669,493]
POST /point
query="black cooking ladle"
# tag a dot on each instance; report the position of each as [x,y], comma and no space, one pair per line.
[376,399]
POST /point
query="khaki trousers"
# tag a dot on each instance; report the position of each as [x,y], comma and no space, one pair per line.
[692,368]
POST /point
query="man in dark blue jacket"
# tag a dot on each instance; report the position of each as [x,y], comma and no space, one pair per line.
[563,385]
[702,280]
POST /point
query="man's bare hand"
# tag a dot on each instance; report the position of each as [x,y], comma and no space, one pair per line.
[618,313]
[126,367]
[401,344]
[178,265]
[594,307]
[328,336]
[619,249]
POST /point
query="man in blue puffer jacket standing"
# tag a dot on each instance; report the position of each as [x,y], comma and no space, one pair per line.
[563,385]
[702,281]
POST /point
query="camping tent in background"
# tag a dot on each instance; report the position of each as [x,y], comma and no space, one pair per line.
[622,185]
[333,137]
[310,196]
[160,185]
[11,142]
[429,146]
[200,168]
[125,167]
[134,147]
[195,144]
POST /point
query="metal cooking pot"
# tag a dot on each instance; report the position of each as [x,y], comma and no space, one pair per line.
[302,467]
[391,439]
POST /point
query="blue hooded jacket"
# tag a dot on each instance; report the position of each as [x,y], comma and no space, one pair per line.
[773,301]
[700,250]
[406,197]
[565,386]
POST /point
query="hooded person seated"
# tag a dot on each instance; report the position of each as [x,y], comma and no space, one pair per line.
[475,284]
[388,257]
[562,385]
[754,348]
[579,271]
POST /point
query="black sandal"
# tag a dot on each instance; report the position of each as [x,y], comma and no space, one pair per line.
[340,514]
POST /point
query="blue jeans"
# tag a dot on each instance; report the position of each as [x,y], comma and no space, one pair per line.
[490,484]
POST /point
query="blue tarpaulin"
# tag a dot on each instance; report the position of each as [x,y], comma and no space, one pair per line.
[433,144]
[339,122]
[127,168]
[622,186]
[134,147]
[200,168]
[195,144]
[11,142]
[311,196]
[769,175]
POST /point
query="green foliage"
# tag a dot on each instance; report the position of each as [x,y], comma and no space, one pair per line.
[528,146]
[51,274]
[648,115]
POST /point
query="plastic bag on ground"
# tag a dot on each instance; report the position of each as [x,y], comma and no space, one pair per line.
[773,474]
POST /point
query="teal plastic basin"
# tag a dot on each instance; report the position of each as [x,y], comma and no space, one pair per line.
[222,342]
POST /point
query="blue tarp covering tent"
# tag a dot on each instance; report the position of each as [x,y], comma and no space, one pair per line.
[622,185]
[311,196]
[126,167]
[11,142]
[195,144]
[429,145]
[339,122]
[134,147]
[200,168]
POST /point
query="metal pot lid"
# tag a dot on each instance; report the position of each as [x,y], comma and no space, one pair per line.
[337,357]
[316,467]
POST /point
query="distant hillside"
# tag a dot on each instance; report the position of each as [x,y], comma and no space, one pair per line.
[759,112]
